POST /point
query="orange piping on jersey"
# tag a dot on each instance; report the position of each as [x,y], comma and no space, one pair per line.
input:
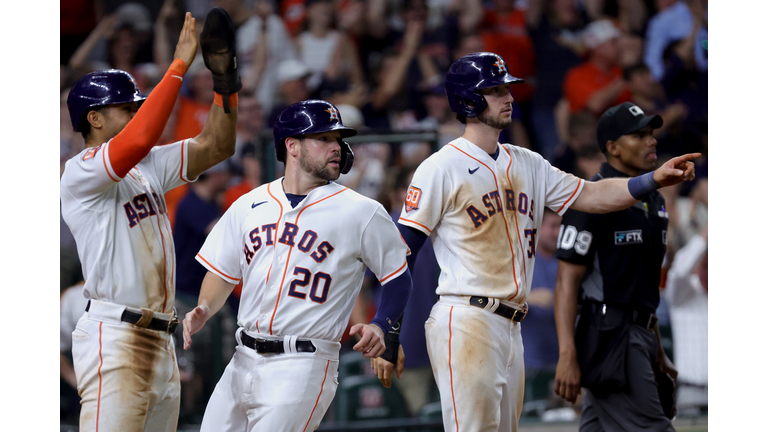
[181,169]
[101,362]
[506,228]
[327,363]
[217,270]
[450,369]
[274,243]
[393,273]
[257,327]
[415,223]
[517,227]
[106,168]
[570,197]
[288,259]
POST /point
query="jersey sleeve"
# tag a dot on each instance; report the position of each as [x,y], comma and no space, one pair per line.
[576,242]
[87,176]
[170,162]
[223,247]
[426,198]
[383,250]
[561,188]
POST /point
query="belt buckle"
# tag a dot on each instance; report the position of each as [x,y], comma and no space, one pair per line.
[173,322]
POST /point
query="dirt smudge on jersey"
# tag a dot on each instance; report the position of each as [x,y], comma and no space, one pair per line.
[152,262]
[139,365]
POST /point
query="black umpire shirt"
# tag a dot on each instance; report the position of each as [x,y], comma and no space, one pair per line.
[623,250]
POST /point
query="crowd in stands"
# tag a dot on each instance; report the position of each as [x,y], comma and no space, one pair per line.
[382,63]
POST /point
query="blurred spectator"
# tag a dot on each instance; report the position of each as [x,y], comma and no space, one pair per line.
[628,15]
[439,117]
[539,331]
[580,154]
[505,33]
[251,178]
[417,380]
[648,94]
[327,52]
[292,79]
[554,26]
[192,108]
[196,215]
[676,21]
[260,70]
[687,295]
[72,308]
[250,129]
[116,42]
[597,84]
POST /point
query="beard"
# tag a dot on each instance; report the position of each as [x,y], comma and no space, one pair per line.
[497,122]
[318,169]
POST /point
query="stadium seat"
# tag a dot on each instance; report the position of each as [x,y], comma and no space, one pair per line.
[364,398]
[353,364]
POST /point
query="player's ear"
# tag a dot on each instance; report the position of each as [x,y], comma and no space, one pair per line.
[95,119]
[292,146]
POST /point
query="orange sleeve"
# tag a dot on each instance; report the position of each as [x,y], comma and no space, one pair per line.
[138,137]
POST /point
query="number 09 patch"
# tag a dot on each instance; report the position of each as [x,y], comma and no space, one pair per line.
[412,199]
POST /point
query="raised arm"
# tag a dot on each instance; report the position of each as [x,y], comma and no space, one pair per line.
[568,374]
[615,194]
[216,141]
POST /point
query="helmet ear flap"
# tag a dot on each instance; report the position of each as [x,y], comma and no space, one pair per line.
[347,157]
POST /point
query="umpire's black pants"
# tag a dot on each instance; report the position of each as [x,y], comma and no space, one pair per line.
[637,409]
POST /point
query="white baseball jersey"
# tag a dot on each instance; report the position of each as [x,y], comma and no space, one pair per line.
[302,267]
[121,226]
[483,215]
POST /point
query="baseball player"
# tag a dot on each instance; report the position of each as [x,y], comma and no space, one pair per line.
[112,198]
[300,245]
[482,203]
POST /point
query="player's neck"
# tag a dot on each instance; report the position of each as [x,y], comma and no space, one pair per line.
[299,182]
[482,135]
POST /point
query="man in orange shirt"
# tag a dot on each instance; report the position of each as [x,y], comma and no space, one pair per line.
[597,84]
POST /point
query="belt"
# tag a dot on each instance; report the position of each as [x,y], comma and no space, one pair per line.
[154,324]
[643,318]
[516,315]
[264,346]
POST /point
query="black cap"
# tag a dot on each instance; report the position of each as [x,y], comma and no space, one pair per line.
[621,120]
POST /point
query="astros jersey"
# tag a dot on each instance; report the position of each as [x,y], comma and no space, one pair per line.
[121,226]
[302,267]
[483,215]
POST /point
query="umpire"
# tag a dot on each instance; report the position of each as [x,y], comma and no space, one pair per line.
[608,274]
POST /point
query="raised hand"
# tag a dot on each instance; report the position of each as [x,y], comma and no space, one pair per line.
[186,47]
[371,342]
[676,170]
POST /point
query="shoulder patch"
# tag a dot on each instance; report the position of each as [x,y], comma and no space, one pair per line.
[91,153]
[412,199]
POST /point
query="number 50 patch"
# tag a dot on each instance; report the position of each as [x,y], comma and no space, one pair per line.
[412,199]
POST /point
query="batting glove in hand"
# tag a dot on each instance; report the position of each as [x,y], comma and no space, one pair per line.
[218,44]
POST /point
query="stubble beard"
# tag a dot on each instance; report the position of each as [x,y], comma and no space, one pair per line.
[497,123]
[317,169]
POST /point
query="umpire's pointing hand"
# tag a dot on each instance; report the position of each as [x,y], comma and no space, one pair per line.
[676,170]
[371,342]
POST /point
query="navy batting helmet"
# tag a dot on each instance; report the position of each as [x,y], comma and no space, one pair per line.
[107,87]
[471,73]
[312,116]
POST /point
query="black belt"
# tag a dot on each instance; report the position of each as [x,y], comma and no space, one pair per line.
[154,324]
[643,318]
[516,315]
[264,346]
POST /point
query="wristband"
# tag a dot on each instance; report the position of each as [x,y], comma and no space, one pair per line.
[641,186]
[219,100]
[391,347]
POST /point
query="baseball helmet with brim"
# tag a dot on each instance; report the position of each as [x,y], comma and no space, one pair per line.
[101,88]
[471,73]
[308,117]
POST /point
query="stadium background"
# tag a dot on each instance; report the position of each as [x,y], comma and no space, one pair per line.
[382,63]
